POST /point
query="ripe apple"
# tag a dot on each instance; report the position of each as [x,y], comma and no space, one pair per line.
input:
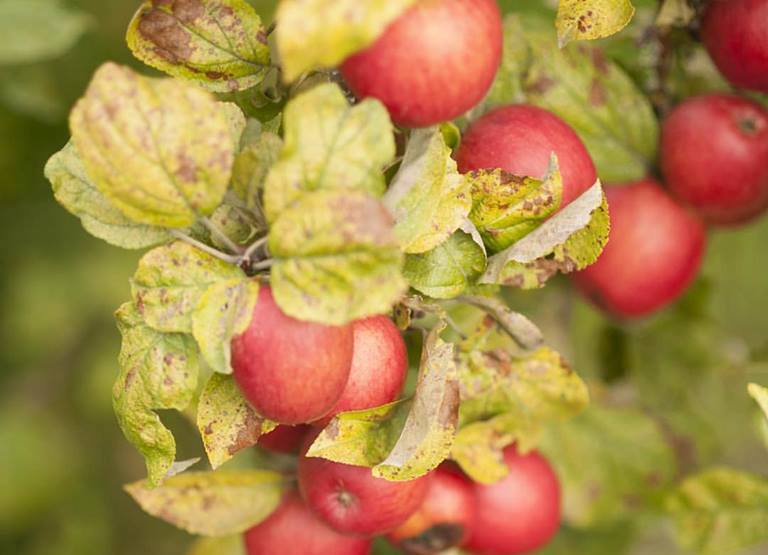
[520,139]
[734,33]
[433,63]
[291,371]
[379,366]
[352,501]
[443,519]
[714,156]
[653,253]
[293,530]
[284,439]
[521,512]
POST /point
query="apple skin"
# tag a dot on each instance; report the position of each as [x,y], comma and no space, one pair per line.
[433,63]
[351,500]
[520,139]
[443,519]
[291,371]
[714,156]
[293,530]
[734,34]
[654,252]
[379,366]
[285,439]
[521,512]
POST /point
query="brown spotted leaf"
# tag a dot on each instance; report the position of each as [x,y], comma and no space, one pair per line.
[226,421]
[212,503]
[160,150]
[219,44]
[591,19]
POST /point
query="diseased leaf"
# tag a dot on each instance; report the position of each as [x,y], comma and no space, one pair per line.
[37,30]
[520,328]
[157,371]
[76,192]
[627,456]
[336,258]
[447,270]
[212,503]
[170,281]
[224,545]
[505,208]
[591,19]
[219,44]
[159,149]
[235,223]
[313,34]
[570,240]
[226,421]
[720,510]
[223,311]
[252,165]
[329,145]
[428,196]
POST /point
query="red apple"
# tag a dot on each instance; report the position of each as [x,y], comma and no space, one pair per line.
[352,501]
[520,139]
[291,371]
[654,251]
[435,62]
[293,530]
[734,33]
[379,366]
[284,439]
[714,156]
[443,519]
[521,512]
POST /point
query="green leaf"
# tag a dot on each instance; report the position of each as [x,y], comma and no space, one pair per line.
[212,503]
[223,311]
[336,258]
[627,456]
[591,19]
[720,510]
[570,240]
[161,150]
[36,30]
[157,371]
[447,270]
[170,281]
[313,34]
[405,439]
[517,326]
[428,196]
[760,395]
[76,192]
[238,225]
[224,545]
[506,208]
[219,44]
[226,421]
[252,165]
[329,145]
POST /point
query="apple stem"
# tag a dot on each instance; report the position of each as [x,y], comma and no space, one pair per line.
[205,248]
[221,236]
[263,265]
[252,248]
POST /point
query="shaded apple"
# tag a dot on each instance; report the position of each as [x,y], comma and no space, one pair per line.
[714,156]
[293,530]
[520,140]
[284,438]
[654,252]
[734,34]
[521,512]
[443,519]
[433,63]
[291,371]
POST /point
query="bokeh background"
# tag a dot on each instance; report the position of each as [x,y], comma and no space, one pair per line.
[62,457]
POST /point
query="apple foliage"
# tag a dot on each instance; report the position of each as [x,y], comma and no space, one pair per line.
[251,164]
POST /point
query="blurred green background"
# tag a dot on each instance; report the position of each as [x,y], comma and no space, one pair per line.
[62,457]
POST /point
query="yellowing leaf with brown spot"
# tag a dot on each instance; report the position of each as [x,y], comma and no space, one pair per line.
[591,19]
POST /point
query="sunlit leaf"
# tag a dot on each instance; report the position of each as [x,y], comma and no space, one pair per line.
[591,19]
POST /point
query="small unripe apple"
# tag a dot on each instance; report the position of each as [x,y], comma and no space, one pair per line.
[734,33]
[285,439]
[714,156]
[291,371]
[443,519]
[379,366]
[520,140]
[293,530]
[521,512]
[654,252]
[433,63]
[351,500]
